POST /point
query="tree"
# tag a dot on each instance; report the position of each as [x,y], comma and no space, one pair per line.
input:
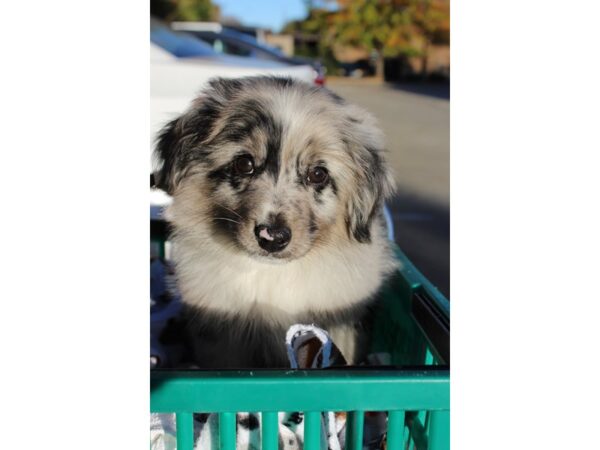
[311,36]
[431,18]
[388,27]
[186,10]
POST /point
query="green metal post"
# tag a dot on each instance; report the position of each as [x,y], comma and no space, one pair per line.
[395,433]
[270,431]
[429,360]
[312,430]
[227,431]
[354,430]
[185,431]
[439,430]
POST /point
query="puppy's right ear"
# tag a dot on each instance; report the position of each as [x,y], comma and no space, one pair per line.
[178,143]
[166,153]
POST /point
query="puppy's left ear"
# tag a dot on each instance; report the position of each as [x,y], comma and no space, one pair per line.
[374,181]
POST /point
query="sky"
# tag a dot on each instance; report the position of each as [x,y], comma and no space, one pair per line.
[271,14]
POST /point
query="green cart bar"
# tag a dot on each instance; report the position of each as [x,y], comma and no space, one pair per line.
[299,390]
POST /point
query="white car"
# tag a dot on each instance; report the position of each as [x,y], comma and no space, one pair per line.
[175,81]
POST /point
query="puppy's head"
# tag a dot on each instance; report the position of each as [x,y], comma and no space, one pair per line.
[273,167]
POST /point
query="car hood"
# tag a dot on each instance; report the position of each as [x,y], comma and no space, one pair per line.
[235,61]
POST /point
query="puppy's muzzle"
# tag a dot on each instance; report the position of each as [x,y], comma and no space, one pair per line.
[273,238]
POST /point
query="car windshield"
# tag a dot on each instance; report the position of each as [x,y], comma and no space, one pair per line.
[249,40]
[178,44]
[231,44]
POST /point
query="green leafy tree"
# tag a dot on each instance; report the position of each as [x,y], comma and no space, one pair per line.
[313,30]
[186,10]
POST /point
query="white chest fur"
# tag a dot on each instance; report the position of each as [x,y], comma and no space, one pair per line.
[326,279]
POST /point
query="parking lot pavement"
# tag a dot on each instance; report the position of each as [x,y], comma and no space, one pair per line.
[416,121]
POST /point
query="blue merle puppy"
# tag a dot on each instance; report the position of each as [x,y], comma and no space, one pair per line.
[277,191]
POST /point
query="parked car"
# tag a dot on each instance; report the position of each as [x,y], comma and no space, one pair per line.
[231,42]
[358,69]
[181,65]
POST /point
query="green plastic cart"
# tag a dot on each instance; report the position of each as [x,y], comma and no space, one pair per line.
[412,326]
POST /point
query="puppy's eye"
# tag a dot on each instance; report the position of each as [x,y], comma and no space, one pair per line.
[243,165]
[318,176]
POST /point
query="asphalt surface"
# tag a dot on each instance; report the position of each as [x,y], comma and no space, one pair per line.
[416,121]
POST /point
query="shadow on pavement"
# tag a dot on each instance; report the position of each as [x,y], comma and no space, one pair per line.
[437,89]
[422,231]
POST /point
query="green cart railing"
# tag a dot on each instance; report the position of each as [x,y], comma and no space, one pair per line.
[412,326]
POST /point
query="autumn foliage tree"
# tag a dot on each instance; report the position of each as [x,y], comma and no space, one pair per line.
[389,27]
[431,21]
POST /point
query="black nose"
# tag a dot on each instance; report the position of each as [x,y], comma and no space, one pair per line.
[273,238]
